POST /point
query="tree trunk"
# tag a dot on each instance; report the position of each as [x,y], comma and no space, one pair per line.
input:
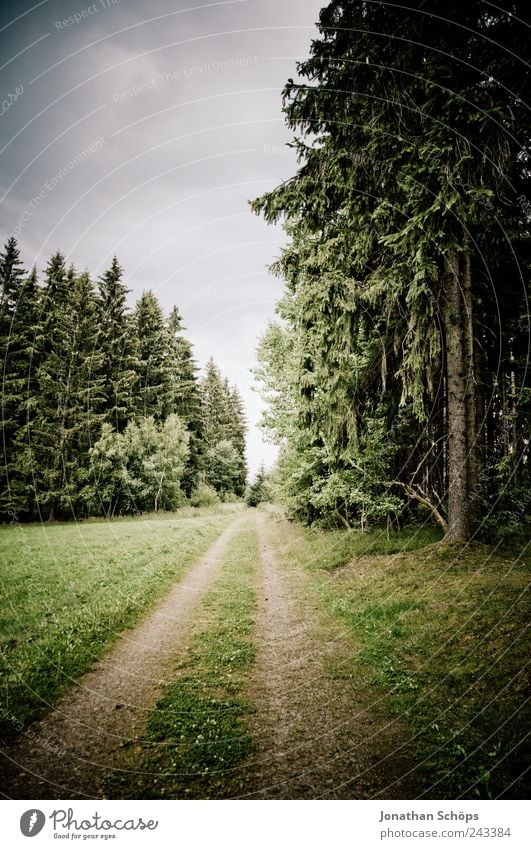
[480,371]
[456,362]
[470,381]
[514,409]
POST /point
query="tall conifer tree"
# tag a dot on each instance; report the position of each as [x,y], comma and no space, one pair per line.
[411,139]
[185,396]
[152,367]
[17,314]
[116,342]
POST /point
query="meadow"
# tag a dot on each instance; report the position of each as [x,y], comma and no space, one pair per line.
[437,634]
[68,590]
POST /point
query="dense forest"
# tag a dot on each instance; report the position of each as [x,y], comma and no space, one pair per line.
[103,411]
[396,376]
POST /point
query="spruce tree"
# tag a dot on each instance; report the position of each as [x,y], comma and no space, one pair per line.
[236,430]
[17,315]
[216,414]
[185,397]
[86,398]
[11,277]
[258,491]
[411,152]
[48,431]
[224,424]
[116,342]
[154,392]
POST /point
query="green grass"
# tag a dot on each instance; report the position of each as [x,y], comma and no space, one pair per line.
[197,728]
[343,546]
[440,641]
[69,590]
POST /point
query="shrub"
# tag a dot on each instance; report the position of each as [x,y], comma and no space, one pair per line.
[204,496]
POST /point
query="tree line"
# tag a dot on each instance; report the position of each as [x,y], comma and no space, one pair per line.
[396,376]
[102,408]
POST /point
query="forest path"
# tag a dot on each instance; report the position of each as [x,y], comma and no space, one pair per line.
[87,736]
[317,734]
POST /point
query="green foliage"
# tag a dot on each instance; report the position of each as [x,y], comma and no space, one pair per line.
[258,491]
[222,466]
[505,500]
[204,496]
[116,342]
[64,417]
[276,374]
[140,470]
[11,280]
[19,312]
[102,410]
[154,391]
[398,172]
[185,396]
[224,434]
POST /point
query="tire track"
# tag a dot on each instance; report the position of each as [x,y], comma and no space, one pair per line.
[316,734]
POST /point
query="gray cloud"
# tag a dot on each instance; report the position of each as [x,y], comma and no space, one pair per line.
[144,129]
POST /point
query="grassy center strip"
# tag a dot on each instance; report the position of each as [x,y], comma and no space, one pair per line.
[68,591]
[197,735]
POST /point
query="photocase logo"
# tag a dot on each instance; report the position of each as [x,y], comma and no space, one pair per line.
[31,822]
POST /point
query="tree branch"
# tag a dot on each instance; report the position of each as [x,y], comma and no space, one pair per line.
[423,499]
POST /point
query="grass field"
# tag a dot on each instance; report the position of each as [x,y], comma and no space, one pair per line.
[441,640]
[69,590]
[438,636]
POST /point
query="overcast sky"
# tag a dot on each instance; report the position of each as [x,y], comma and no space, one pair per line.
[142,130]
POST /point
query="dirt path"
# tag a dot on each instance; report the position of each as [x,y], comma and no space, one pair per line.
[85,738]
[317,735]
